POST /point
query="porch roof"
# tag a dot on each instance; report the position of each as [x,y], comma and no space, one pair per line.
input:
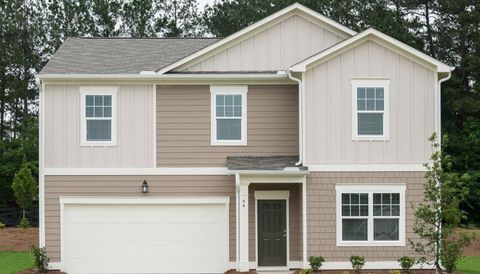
[274,163]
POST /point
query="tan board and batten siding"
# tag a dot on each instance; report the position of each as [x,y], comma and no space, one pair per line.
[276,48]
[134,147]
[183,125]
[329,104]
[160,186]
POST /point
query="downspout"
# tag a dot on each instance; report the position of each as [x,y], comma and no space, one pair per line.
[439,104]
[237,217]
[300,116]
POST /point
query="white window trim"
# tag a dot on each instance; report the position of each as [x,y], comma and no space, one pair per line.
[228,90]
[98,90]
[383,83]
[370,189]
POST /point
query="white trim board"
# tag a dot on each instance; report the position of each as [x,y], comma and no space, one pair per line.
[377,36]
[259,26]
[371,265]
[365,167]
[171,200]
[139,171]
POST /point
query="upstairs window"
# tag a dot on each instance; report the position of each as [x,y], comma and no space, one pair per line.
[98,115]
[229,115]
[370,215]
[370,109]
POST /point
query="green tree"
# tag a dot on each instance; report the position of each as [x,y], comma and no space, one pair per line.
[138,18]
[439,213]
[179,18]
[106,15]
[25,189]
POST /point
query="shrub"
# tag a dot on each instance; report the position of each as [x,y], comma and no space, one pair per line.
[2,225]
[452,251]
[24,223]
[357,263]
[406,263]
[24,188]
[316,262]
[345,272]
[307,271]
[41,259]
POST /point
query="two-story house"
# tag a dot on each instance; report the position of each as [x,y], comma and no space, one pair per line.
[291,138]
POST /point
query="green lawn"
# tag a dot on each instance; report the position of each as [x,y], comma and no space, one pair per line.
[470,265]
[13,262]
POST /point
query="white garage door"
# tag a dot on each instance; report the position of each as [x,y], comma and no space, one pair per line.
[145,238]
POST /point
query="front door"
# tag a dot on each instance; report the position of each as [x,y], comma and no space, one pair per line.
[272,233]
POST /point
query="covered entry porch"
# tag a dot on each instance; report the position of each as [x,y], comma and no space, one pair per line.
[270,215]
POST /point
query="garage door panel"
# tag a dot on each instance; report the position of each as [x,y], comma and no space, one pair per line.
[145,238]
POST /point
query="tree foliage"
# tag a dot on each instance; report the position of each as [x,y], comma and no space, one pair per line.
[439,214]
[24,188]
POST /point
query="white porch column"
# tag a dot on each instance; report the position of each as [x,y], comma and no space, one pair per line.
[304,221]
[243,265]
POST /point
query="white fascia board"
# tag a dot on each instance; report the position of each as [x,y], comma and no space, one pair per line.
[145,200]
[398,46]
[253,27]
[269,172]
[176,76]
[138,171]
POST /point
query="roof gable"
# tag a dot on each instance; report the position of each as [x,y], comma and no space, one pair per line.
[379,37]
[292,10]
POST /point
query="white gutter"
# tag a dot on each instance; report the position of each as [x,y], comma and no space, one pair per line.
[156,76]
[300,116]
[439,104]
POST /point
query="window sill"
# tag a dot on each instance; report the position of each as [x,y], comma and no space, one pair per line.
[228,143]
[371,138]
[383,243]
[98,144]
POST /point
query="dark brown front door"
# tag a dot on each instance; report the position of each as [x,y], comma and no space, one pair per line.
[272,233]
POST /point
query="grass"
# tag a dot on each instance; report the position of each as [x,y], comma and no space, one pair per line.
[14,262]
[470,265]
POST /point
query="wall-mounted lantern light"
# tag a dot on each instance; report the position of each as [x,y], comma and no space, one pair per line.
[144,187]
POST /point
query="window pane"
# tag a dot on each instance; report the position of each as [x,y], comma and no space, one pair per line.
[386,198]
[370,93]
[370,123]
[364,198]
[385,229]
[89,111]
[355,210]
[220,100]
[354,229]
[379,93]
[360,104]
[364,210]
[379,104]
[107,100]
[370,104]
[395,210]
[355,198]
[237,100]
[229,100]
[89,100]
[395,198]
[98,111]
[345,198]
[386,210]
[237,111]
[99,130]
[377,210]
[360,92]
[229,129]
[345,210]
[107,112]
[377,198]
[228,111]
[220,111]
[98,100]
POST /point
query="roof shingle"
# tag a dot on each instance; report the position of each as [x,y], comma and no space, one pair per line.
[120,55]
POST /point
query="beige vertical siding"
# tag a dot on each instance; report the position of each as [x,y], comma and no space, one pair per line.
[275,48]
[134,130]
[329,108]
[183,125]
[321,219]
[56,186]
[294,215]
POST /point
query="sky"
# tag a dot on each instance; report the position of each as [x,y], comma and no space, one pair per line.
[202,3]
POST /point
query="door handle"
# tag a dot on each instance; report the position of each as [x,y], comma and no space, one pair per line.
[285,233]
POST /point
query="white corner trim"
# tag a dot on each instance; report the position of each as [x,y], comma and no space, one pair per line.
[370,189]
[215,90]
[98,90]
[255,27]
[144,200]
[272,194]
[371,83]
[398,47]
[365,167]
[139,171]
[154,125]
[41,165]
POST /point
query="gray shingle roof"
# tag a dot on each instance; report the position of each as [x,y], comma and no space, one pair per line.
[262,162]
[120,55]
